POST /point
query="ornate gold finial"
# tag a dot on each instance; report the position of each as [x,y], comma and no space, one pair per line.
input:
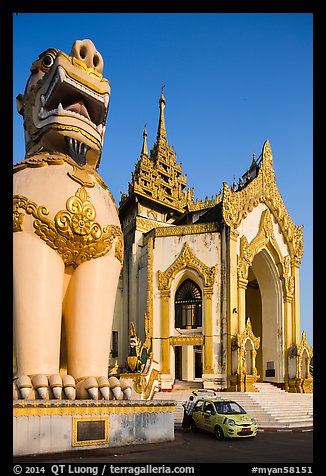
[144,150]
[161,131]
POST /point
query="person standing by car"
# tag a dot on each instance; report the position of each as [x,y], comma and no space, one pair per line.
[188,407]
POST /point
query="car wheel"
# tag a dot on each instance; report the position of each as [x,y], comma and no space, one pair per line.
[218,432]
[193,426]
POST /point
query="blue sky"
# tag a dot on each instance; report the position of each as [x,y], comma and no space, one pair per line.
[232,80]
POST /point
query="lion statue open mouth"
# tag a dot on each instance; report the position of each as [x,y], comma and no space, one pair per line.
[68,243]
[65,103]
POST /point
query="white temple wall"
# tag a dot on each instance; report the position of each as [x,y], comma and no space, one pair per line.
[206,248]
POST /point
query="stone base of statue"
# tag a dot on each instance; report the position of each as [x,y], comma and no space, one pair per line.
[55,426]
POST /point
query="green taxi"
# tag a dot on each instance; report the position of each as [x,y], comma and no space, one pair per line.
[224,418]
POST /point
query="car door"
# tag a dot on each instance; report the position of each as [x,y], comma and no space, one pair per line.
[208,416]
[197,413]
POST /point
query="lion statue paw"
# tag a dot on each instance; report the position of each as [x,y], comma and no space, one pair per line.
[64,387]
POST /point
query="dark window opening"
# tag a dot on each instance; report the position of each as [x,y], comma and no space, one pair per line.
[115,344]
[188,306]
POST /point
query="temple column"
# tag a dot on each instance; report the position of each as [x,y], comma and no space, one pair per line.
[288,338]
[232,296]
[295,268]
[233,281]
[208,348]
[287,303]
[165,304]
[242,286]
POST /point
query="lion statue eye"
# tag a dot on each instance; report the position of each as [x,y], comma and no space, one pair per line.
[47,61]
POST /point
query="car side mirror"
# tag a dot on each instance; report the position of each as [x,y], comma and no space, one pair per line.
[209,412]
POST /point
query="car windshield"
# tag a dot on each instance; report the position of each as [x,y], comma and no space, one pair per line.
[229,408]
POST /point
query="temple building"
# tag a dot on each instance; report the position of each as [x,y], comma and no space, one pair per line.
[211,288]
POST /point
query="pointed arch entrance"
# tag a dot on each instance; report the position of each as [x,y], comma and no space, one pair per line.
[265,294]
[264,305]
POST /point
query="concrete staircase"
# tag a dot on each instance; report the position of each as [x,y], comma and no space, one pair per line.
[272,407]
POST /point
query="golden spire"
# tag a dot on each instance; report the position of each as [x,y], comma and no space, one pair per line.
[161,132]
[157,176]
[144,150]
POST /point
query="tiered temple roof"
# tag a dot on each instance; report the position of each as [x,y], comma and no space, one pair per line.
[157,176]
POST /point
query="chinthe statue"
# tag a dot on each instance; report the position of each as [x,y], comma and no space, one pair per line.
[68,243]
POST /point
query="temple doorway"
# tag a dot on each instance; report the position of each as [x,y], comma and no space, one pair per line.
[178,362]
[264,307]
[198,361]
[254,311]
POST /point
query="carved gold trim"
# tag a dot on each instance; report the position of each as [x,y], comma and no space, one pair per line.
[186,259]
[182,230]
[265,237]
[262,189]
[76,420]
[144,224]
[202,205]
[159,231]
[73,233]
[83,407]
[187,340]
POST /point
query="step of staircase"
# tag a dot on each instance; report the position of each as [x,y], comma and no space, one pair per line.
[272,407]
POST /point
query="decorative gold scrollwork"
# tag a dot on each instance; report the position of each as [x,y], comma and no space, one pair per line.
[73,233]
[263,189]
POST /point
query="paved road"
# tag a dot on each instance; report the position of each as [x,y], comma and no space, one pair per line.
[187,448]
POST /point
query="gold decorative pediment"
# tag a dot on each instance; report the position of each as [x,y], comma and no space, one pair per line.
[186,259]
[73,233]
[248,333]
[262,189]
[265,237]
[304,345]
